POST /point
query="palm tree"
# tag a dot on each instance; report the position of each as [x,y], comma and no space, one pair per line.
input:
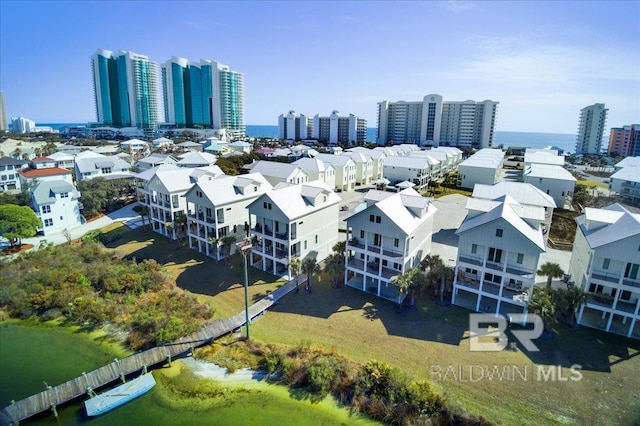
[335,267]
[227,242]
[180,224]
[310,266]
[295,264]
[410,282]
[542,305]
[567,301]
[443,274]
[551,271]
[430,260]
[340,248]
[214,242]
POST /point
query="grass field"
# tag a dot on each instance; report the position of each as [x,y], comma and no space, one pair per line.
[431,343]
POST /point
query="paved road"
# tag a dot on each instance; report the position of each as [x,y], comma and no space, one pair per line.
[125,215]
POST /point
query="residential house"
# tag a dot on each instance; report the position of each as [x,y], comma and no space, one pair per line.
[377,161]
[276,172]
[192,160]
[345,170]
[218,208]
[499,247]
[626,180]
[241,147]
[553,180]
[524,193]
[385,239]
[435,167]
[482,167]
[416,170]
[318,170]
[152,161]
[43,169]
[293,221]
[56,203]
[9,177]
[364,166]
[162,142]
[605,263]
[64,160]
[89,165]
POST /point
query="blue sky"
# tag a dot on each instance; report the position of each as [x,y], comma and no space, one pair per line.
[543,61]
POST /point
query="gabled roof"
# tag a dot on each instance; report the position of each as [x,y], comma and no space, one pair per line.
[61,156]
[188,144]
[275,169]
[508,210]
[397,207]
[615,223]
[373,153]
[628,161]
[549,157]
[339,160]
[631,172]
[427,155]
[241,144]
[88,164]
[45,192]
[156,158]
[358,156]
[291,201]
[548,172]
[149,173]
[197,157]
[174,180]
[408,162]
[312,164]
[225,189]
[212,171]
[43,160]
[133,142]
[162,140]
[523,193]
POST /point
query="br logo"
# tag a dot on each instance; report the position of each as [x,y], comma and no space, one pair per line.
[490,328]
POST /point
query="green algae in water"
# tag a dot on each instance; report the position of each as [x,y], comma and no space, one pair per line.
[29,355]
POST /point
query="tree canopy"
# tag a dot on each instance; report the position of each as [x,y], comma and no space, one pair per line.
[18,222]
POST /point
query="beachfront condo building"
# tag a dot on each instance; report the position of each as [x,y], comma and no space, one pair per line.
[125,87]
[205,94]
[605,263]
[593,119]
[625,141]
[4,125]
[349,130]
[295,127]
[433,121]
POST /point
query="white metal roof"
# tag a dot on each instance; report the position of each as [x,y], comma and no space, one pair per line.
[630,172]
[276,169]
[405,162]
[523,193]
[550,157]
[548,172]
[290,199]
[225,189]
[198,158]
[617,222]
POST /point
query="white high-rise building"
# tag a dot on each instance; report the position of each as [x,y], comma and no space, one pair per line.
[593,119]
[126,89]
[4,125]
[295,127]
[434,122]
[22,125]
[203,94]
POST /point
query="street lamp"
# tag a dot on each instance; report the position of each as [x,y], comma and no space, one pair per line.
[244,247]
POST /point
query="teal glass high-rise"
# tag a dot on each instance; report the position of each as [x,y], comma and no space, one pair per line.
[125,89]
[206,94]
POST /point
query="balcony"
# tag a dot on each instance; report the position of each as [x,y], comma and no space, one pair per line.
[491,288]
[631,282]
[473,260]
[392,253]
[600,300]
[469,284]
[625,306]
[605,276]
[494,265]
[282,235]
[520,271]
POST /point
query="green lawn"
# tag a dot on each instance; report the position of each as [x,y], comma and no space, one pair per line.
[422,343]
[590,183]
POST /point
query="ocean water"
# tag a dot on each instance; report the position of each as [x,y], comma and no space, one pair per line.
[563,141]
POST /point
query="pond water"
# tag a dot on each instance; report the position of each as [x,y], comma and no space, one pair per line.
[32,355]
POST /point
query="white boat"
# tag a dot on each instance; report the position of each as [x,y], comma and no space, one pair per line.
[119,395]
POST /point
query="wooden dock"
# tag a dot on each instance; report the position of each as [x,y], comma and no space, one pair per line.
[85,384]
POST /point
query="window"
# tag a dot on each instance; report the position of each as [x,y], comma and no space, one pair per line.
[520,259]
[375,218]
[396,242]
[378,219]
[305,244]
[631,271]
[499,232]
[495,255]
[46,209]
[199,194]
[377,240]
[593,288]
[397,266]
[362,233]
[267,205]
[605,263]
[48,222]
[64,195]
[474,248]
[316,239]
[625,295]
[105,170]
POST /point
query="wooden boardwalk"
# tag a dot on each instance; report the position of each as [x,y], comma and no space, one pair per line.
[85,384]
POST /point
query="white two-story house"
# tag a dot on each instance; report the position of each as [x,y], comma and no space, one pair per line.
[499,246]
[416,170]
[217,208]
[276,172]
[385,239]
[293,221]
[89,164]
[9,177]
[605,263]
